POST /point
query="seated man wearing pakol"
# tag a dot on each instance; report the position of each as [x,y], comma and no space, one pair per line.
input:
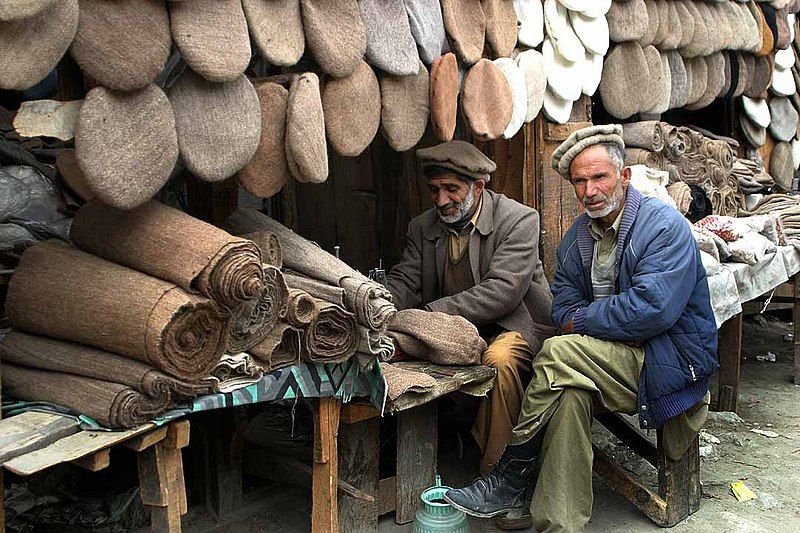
[475,254]
[638,336]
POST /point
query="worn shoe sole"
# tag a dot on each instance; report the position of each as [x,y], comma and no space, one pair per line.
[516,519]
[476,513]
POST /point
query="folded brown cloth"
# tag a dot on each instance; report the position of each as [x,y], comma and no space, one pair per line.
[270,246]
[437,337]
[61,292]
[236,371]
[399,380]
[169,244]
[332,337]
[253,320]
[281,348]
[301,308]
[61,356]
[375,343]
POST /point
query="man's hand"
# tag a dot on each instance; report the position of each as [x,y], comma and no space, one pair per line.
[634,344]
[566,329]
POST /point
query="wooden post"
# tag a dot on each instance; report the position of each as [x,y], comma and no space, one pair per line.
[679,483]
[730,352]
[223,461]
[796,320]
[325,475]
[358,466]
[416,458]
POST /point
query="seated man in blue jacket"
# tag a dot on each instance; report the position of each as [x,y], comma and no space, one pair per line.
[638,335]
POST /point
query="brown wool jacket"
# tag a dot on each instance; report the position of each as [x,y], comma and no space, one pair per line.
[510,288]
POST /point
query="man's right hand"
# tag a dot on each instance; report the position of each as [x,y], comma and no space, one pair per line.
[566,328]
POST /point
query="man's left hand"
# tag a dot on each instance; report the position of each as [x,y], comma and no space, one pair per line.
[566,328]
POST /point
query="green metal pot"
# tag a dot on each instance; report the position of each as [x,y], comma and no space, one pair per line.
[438,516]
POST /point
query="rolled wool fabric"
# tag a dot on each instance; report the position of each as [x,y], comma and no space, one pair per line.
[253,320]
[335,34]
[306,147]
[117,309]
[281,348]
[501,26]
[71,174]
[169,244]
[332,337]
[270,246]
[444,96]
[126,144]
[276,27]
[301,308]
[404,108]
[122,45]
[486,100]
[390,45]
[465,25]
[352,110]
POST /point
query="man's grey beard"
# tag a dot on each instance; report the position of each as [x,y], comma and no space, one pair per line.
[463,209]
[617,196]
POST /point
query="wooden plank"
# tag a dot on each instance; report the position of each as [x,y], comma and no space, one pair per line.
[796,320]
[416,458]
[679,484]
[158,472]
[95,462]
[358,466]
[637,442]
[223,474]
[353,413]
[143,442]
[730,350]
[178,434]
[387,495]
[448,379]
[325,475]
[32,430]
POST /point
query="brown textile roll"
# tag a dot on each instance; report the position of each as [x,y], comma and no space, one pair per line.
[270,246]
[212,37]
[122,45]
[682,195]
[486,100]
[169,244]
[110,404]
[117,309]
[404,108]
[316,288]
[306,147]
[352,110]
[268,171]
[760,78]
[276,27]
[61,356]
[334,34]
[332,337]
[648,135]
[301,308]
[501,26]
[126,144]
[253,320]
[71,174]
[281,348]
[437,337]
[465,25]
[16,10]
[444,96]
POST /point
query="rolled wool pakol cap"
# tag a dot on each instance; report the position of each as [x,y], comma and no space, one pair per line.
[486,100]
[783,82]
[530,19]
[784,58]
[218,124]
[277,30]
[714,42]
[501,26]
[653,22]
[675,34]
[519,94]
[17,10]
[732,13]
[767,35]
[459,156]
[757,110]
[781,166]
[662,104]
[390,45]
[212,37]
[755,135]
[352,110]
[306,148]
[560,31]
[662,19]
[404,108]
[771,18]
[31,47]
[624,68]
[532,64]
[652,83]
[592,32]
[268,171]
[715,80]
[627,21]
[752,25]
[427,27]
[562,75]
[679,92]
[784,39]
[723,27]
[125,144]
[334,34]
[740,74]
[556,109]
[580,140]
[590,8]
[465,25]
[758,74]
[592,73]
[784,118]
[443,98]
[122,45]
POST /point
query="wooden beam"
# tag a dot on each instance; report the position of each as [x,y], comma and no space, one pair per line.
[145,441]
[627,434]
[353,413]
[358,465]
[416,458]
[31,431]
[223,473]
[730,354]
[158,470]
[178,434]
[325,476]
[387,495]
[679,483]
[796,320]
[95,462]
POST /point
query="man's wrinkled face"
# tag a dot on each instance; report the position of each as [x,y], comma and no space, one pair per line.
[454,199]
[598,183]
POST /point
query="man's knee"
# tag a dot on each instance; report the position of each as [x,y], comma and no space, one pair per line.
[507,352]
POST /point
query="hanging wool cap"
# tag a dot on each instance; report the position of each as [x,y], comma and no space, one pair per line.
[404,108]
[268,171]
[352,110]
[532,64]
[125,144]
[681,194]
[16,10]
[427,27]
[519,94]
[592,73]
[653,83]
[560,31]
[755,135]
[306,148]
[714,78]
[334,34]
[31,47]
[563,77]
[501,26]
[444,96]
[71,174]
[627,21]
[783,119]
[653,22]
[212,37]
[700,43]
[556,109]
[590,8]
[122,45]
[783,83]
[675,34]
[592,32]
[781,166]
[759,77]
[218,124]
[624,68]
[486,100]
[582,139]
[679,91]
[728,73]
[277,30]
[767,37]
[465,24]
[740,75]
[530,19]
[684,18]
[665,89]
[784,58]
[757,111]
[390,45]
[459,156]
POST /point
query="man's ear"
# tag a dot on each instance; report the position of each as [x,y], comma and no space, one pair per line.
[626,175]
[479,186]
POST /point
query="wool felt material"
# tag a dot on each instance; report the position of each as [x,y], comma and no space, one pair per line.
[530,18]
[316,288]
[375,343]
[783,83]
[556,109]
[122,45]
[276,27]
[679,91]
[236,371]
[560,31]
[31,47]
[770,16]
[352,110]
[686,22]
[437,337]
[654,88]
[592,73]
[427,27]
[519,94]
[169,244]
[15,10]
[758,111]
[306,147]
[270,246]
[729,73]
[404,108]
[580,140]
[755,135]
[126,144]
[784,58]
[662,20]
[653,21]
[280,349]
[268,171]
[532,64]
[665,80]
[390,45]
[486,100]
[715,79]
[700,44]
[593,32]
[71,174]
[562,75]
[116,309]
[627,21]
[783,119]
[759,76]
[443,96]
[781,166]
[767,36]
[459,156]
[252,321]
[400,380]
[465,25]
[590,8]
[501,26]
[733,17]
[681,194]
[332,337]
[301,308]
[675,34]
[335,34]
[218,124]
[212,37]
[624,68]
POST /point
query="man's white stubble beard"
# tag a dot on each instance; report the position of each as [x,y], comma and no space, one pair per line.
[617,196]
[463,209]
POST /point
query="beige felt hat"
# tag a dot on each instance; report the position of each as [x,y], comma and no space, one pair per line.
[501,26]
[306,148]
[334,34]
[560,31]
[625,67]
[592,32]
[532,64]
[277,30]
[443,100]
[390,45]
[465,25]
[627,21]
[459,156]
[352,110]
[556,109]
[18,10]
[530,19]
[404,108]
[519,94]
[562,75]
[486,100]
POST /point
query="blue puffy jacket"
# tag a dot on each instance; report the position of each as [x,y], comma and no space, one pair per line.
[662,300]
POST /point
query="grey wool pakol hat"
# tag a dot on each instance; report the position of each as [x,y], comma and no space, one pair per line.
[277,30]
[334,34]
[31,47]
[306,147]
[758,111]
[465,25]
[352,110]
[627,21]
[212,37]
[125,144]
[714,79]
[625,67]
[122,45]
[390,45]
[18,10]
[783,119]
[653,84]
[460,157]
[443,98]
[404,108]
[755,135]
[427,27]
[501,26]
[218,124]
[582,139]
[781,166]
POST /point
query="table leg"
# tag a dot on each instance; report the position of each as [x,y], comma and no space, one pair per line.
[325,475]
[161,479]
[796,321]
[416,458]
[223,468]
[730,354]
[358,465]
